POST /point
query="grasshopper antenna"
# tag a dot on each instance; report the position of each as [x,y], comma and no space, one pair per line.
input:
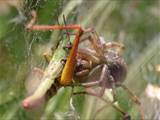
[65,23]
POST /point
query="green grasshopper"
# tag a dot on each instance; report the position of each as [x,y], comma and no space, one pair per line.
[53,71]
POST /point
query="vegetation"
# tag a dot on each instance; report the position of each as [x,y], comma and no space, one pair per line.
[135,23]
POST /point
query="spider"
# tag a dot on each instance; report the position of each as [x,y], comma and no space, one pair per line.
[100,65]
[81,64]
[103,66]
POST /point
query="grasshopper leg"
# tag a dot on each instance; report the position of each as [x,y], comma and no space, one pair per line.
[47,57]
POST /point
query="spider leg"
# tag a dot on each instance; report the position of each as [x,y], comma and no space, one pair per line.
[95,41]
[86,60]
[33,20]
[114,45]
[114,99]
[119,47]
[88,55]
[100,45]
[113,86]
[104,78]
[135,99]
[32,26]
[91,92]
[133,96]
[101,82]
[114,94]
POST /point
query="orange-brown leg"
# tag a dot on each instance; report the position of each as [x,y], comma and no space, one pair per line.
[32,26]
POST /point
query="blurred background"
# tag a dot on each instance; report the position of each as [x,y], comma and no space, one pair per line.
[135,23]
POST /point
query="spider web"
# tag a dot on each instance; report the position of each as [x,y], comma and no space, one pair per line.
[22,50]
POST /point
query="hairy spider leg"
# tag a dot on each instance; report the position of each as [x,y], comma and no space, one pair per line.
[135,99]
[114,45]
[95,41]
[101,47]
[102,81]
[87,59]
